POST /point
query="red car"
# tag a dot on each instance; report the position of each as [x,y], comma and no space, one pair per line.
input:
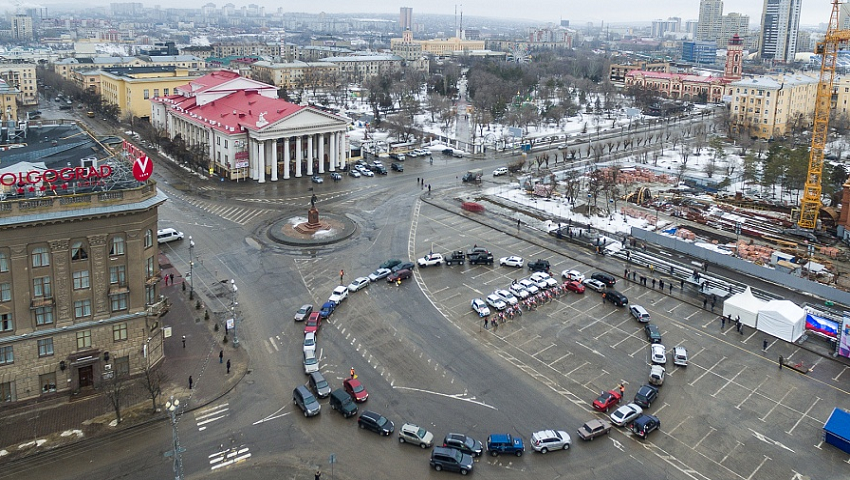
[607,400]
[313,323]
[356,390]
[402,274]
[574,287]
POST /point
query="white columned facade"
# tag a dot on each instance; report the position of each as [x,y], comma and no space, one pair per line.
[332,147]
[254,156]
[309,155]
[286,158]
[273,150]
[297,157]
[343,153]
[261,162]
[321,137]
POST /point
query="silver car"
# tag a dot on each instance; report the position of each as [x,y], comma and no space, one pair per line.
[303,312]
[546,440]
[518,290]
[529,285]
[506,297]
[625,414]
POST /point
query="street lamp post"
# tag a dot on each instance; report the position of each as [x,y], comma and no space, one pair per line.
[191,268]
[233,311]
[176,450]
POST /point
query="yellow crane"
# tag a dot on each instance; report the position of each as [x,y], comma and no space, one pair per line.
[811,202]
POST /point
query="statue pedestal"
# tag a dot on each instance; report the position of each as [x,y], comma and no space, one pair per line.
[313,217]
[313,224]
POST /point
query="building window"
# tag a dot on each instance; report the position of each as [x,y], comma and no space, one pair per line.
[6,324]
[119,302]
[78,252]
[4,262]
[149,267]
[40,257]
[44,315]
[119,332]
[148,238]
[7,356]
[45,347]
[117,246]
[7,392]
[165,92]
[155,92]
[146,93]
[82,308]
[118,275]
[225,143]
[150,295]
[41,287]
[83,339]
[122,366]
[81,280]
[47,382]
[5,292]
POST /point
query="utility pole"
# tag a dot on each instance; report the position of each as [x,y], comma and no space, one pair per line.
[233,311]
[191,269]
[176,450]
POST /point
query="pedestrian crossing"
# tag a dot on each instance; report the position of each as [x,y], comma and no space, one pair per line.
[233,213]
[227,457]
[209,415]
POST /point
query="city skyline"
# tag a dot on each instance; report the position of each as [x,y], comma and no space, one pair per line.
[814,12]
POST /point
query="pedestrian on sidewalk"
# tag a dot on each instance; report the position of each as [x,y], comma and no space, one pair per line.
[184,341]
[318,475]
[228,365]
[704,302]
[166,280]
[221,356]
[670,284]
[486,323]
[653,283]
[722,323]
[190,382]
[682,284]
[764,345]
[171,277]
[661,284]
[626,274]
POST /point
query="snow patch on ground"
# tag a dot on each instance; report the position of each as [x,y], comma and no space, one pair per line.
[34,443]
[68,433]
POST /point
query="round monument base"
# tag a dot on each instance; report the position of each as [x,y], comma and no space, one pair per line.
[298,231]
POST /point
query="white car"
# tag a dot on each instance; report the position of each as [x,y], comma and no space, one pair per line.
[594,284]
[572,275]
[545,278]
[310,343]
[625,414]
[500,171]
[339,294]
[546,440]
[518,291]
[379,274]
[358,283]
[656,375]
[494,301]
[529,282]
[311,363]
[410,433]
[659,354]
[506,297]
[479,307]
[512,261]
[366,172]
[430,259]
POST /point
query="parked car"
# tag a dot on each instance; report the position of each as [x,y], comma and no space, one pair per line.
[511,261]
[366,172]
[481,259]
[539,265]
[625,414]
[545,278]
[303,312]
[403,274]
[573,275]
[336,177]
[319,385]
[309,344]
[404,266]
[680,356]
[327,309]
[546,440]
[519,291]
[605,278]
[476,250]
[398,167]
[615,297]
[416,435]
[504,443]
[317,179]
[379,274]
[355,389]
[342,402]
[656,375]
[594,428]
[644,425]
[645,395]
[390,264]
[354,173]
[375,422]
[640,313]
[168,235]
[606,400]
[358,283]
[500,171]
[529,285]
[464,443]
[574,287]
[658,354]
[594,285]
[479,307]
[457,257]
[304,399]
[313,323]
[506,297]
[430,260]
[311,363]
[339,294]
[652,333]
[494,301]
[451,460]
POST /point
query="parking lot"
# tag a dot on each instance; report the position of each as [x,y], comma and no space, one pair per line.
[731,413]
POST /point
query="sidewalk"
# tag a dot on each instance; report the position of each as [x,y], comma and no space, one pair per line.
[40,425]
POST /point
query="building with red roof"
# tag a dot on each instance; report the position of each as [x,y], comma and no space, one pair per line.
[249,132]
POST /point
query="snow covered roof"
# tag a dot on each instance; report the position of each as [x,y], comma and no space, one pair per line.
[746,301]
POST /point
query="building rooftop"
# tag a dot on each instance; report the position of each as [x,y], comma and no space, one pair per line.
[130,71]
[363,58]
[776,82]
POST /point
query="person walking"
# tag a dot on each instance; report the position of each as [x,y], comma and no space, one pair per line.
[653,283]
[722,323]
[429,188]
[495,325]
[622,390]
[221,356]
[352,372]
[318,475]
[682,284]
[764,345]
[341,275]
[661,284]
[190,382]
[166,280]
[228,365]
[704,302]
[171,277]
[486,323]
[184,341]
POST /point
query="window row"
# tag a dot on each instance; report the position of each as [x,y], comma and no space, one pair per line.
[40,256]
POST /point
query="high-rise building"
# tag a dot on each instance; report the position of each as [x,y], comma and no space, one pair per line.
[405,18]
[780,22]
[662,27]
[710,17]
[731,25]
[22,27]
[844,16]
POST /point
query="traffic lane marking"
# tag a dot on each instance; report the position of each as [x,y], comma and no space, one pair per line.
[706,372]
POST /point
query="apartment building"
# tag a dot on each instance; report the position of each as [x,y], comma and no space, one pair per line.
[132,88]
[769,107]
[22,77]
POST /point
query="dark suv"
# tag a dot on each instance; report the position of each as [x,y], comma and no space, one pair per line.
[645,396]
[397,167]
[375,422]
[465,444]
[504,443]
[652,333]
[451,460]
[615,297]
[342,402]
[539,265]
[644,425]
[605,278]
[454,257]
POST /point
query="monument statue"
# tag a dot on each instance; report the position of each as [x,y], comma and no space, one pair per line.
[313,200]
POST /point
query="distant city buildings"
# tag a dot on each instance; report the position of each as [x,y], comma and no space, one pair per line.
[405,18]
[780,23]
[21,76]
[22,28]
[715,27]
[770,106]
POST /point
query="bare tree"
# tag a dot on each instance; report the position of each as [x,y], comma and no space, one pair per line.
[116,388]
[151,380]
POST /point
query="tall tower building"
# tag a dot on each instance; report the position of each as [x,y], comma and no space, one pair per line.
[22,27]
[734,58]
[710,17]
[405,18]
[780,23]
[844,16]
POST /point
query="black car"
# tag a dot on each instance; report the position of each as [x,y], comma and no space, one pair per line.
[644,425]
[465,444]
[605,278]
[448,151]
[397,167]
[615,297]
[539,265]
[375,422]
[403,266]
[652,333]
[645,396]
[451,460]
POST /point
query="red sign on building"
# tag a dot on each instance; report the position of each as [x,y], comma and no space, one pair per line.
[142,168]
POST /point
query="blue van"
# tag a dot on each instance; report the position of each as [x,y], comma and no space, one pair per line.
[327,309]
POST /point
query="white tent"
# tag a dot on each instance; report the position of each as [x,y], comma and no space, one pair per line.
[782,319]
[744,305]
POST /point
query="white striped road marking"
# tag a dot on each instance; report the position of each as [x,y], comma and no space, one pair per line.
[229,457]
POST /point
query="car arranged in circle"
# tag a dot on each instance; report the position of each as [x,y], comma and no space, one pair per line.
[379,274]
[594,428]
[354,173]
[313,323]
[573,275]
[606,400]
[645,395]
[355,389]
[375,422]
[530,286]
[464,443]
[652,333]
[416,435]
[644,425]
[317,179]
[594,285]
[402,274]
[506,297]
[303,312]
[625,414]
[430,260]
[339,294]
[366,172]
[545,278]
[403,266]
[479,307]
[310,342]
[494,301]
[546,440]
[574,286]
[311,363]
[518,290]
[336,177]
[512,261]
[659,354]
[358,283]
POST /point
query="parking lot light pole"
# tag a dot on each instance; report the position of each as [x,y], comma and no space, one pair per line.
[176,450]
[191,269]
[233,311]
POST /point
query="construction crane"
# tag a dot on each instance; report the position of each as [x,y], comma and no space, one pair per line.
[828,49]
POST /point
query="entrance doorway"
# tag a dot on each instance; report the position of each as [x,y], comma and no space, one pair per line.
[86,376]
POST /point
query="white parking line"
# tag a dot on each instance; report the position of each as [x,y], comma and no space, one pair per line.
[777,404]
[273,344]
[706,372]
[835,378]
[750,395]
[641,349]
[558,360]
[728,382]
[541,351]
[595,322]
[574,370]
[806,414]
[527,341]
[670,432]
[735,449]
[766,458]
[711,430]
